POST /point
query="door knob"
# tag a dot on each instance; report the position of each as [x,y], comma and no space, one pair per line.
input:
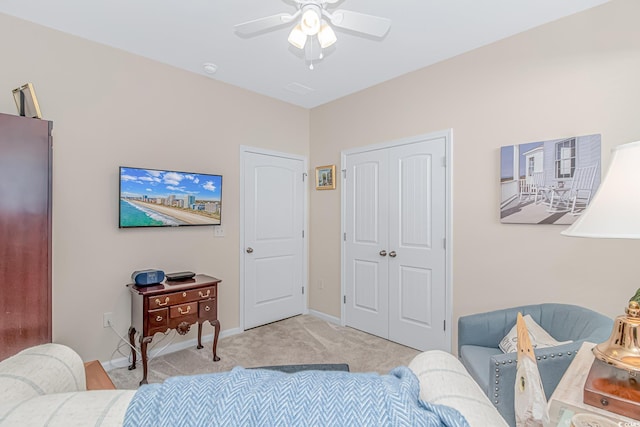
[249,250]
[392,254]
[383,253]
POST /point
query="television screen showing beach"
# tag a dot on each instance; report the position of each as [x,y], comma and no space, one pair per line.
[157,198]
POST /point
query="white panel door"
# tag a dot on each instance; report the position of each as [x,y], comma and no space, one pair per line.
[366,266]
[273,238]
[395,259]
[417,263]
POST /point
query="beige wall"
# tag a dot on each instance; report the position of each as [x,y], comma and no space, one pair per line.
[110,108]
[576,76]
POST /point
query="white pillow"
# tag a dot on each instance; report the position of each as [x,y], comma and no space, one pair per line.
[539,337]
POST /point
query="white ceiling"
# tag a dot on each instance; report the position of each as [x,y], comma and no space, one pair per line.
[189,33]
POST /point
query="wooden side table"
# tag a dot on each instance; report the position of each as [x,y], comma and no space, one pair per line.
[567,399]
[172,305]
[97,377]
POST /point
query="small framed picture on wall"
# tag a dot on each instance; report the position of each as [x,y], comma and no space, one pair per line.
[326,177]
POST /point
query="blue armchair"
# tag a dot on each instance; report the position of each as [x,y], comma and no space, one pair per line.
[479,336]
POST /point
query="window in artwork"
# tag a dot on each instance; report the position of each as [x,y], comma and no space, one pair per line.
[565,161]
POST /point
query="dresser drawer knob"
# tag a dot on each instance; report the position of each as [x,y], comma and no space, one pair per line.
[158,318]
[204,296]
[184,295]
[184,312]
[207,308]
[166,301]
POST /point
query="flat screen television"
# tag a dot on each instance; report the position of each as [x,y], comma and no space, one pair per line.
[165,198]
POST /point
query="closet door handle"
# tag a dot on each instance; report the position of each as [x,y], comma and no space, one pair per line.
[392,254]
[249,250]
[383,253]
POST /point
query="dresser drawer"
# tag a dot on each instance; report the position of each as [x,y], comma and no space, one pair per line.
[208,309]
[182,297]
[183,310]
[158,318]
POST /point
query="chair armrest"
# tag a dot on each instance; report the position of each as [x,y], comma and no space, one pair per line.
[39,370]
[445,381]
[552,364]
[104,408]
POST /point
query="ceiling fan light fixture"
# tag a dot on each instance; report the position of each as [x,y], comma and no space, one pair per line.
[310,22]
[326,35]
[297,37]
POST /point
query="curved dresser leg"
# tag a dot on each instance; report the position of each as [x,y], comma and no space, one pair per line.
[199,336]
[132,334]
[216,327]
[143,349]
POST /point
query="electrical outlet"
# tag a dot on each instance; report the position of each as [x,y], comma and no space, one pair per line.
[218,231]
[107,320]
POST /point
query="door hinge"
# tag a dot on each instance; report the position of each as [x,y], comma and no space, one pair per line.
[303,290]
[444,243]
[344,236]
[444,325]
[444,162]
[344,299]
[304,176]
[303,234]
[344,173]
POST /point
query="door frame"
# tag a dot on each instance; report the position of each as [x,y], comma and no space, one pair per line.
[241,254]
[448,136]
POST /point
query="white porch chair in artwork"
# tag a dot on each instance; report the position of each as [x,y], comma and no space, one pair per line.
[582,188]
[576,194]
[534,187]
[541,191]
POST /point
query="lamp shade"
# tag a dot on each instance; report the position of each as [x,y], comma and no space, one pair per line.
[614,211]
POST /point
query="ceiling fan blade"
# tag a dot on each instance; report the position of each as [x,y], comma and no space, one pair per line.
[262,24]
[360,22]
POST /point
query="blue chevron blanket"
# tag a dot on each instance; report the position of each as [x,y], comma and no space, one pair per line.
[257,397]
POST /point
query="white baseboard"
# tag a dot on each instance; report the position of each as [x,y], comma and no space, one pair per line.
[325,317]
[171,348]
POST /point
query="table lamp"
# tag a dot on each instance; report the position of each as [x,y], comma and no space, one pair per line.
[614,213]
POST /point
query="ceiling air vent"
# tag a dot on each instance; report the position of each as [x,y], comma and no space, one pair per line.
[298,88]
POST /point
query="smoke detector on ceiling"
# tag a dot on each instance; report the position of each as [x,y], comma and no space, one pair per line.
[210,68]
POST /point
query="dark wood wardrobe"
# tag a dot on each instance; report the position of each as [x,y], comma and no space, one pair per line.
[25,233]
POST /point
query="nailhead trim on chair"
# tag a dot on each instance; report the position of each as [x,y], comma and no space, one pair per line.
[497,376]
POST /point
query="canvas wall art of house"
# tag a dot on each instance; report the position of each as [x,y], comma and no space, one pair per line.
[549,182]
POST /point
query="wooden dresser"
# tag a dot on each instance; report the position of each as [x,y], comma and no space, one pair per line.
[172,305]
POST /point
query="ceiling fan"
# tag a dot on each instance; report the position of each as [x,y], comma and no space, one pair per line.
[313,30]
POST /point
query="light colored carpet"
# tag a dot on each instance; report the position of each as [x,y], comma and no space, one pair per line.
[298,340]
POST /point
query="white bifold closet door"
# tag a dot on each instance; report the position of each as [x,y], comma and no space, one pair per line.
[395,256]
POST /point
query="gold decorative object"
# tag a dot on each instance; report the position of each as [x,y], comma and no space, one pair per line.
[622,350]
[612,383]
